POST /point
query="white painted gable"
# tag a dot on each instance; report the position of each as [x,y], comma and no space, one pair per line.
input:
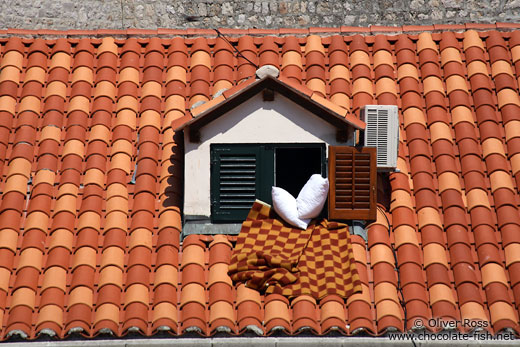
[254,121]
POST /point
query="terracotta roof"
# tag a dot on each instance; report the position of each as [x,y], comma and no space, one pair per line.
[91,183]
[300,94]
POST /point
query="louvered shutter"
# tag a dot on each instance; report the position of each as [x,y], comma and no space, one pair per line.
[352,177]
[235,181]
[382,132]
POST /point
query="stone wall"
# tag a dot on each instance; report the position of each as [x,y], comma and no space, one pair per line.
[153,14]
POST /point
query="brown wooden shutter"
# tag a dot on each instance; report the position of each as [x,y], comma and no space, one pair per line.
[352,177]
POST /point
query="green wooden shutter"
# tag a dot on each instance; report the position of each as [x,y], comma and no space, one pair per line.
[352,178]
[235,181]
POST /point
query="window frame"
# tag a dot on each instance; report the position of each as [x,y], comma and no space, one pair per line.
[266,154]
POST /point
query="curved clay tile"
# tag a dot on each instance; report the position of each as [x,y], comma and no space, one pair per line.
[12,58]
[291,44]
[386,85]
[247,47]
[464,273]
[200,44]
[107,45]
[82,90]
[164,317]
[154,45]
[453,68]
[503,81]
[131,45]
[389,317]
[129,59]
[61,45]
[226,58]
[381,273]
[360,317]
[152,73]
[126,88]
[19,320]
[50,317]
[200,73]
[501,67]
[407,71]
[450,54]
[175,92]
[473,310]
[268,52]
[315,71]
[381,44]
[448,39]
[276,313]
[429,56]
[15,44]
[223,76]
[404,43]
[339,85]
[200,86]
[358,44]
[221,316]
[489,253]
[408,85]
[314,59]
[154,58]
[10,88]
[106,59]
[176,73]
[37,59]
[268,57]
[474,54]
[359,58]
[177,44]
[245,69]
[456,82]
[178,59]
[304,315]
[425,42]
[38,45]
[151,103]
[314,44]
[221,45]
[106,318]
[193,318]
[495,39]
[337,43]
[84,46]
[406,56]
[472,39]
[383,64]
[339,60]
[511,254]
[136,318]
[498,53]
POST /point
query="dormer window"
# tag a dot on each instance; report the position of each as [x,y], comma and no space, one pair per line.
[264,133]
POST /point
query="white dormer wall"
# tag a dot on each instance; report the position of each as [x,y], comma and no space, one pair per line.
[254,121]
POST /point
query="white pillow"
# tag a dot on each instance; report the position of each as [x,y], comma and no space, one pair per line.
[312,197]
[285,205]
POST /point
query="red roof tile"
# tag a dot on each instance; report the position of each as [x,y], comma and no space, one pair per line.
[90,212]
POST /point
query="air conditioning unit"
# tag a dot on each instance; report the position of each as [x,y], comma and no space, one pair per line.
[382,132]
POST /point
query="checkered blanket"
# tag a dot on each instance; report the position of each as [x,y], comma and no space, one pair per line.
[272,257]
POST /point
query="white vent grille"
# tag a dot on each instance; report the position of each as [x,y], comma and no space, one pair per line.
[382,132]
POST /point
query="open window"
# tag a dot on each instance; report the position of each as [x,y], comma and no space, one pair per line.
[294,166]
[242,173]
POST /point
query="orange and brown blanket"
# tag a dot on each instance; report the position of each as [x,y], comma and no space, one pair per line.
[272,257]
